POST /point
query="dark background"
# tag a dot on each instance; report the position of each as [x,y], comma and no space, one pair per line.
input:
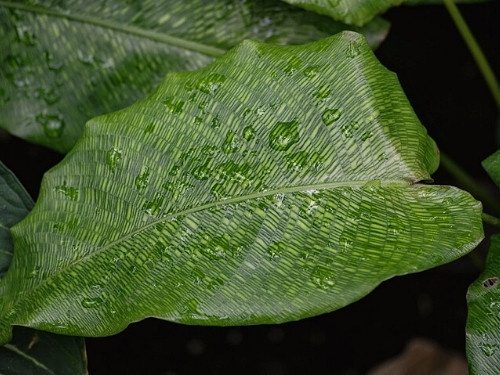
[453,102]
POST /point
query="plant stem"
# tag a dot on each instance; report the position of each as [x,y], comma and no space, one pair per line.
[468,183]
[490,219]
[475,50]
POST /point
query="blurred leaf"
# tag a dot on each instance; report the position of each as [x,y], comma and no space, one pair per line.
[31,352]
[359,12]
[492,166]
[65,62]
[279,182]
[483,322]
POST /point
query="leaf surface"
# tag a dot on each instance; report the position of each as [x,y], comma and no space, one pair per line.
[483,321]
[63,63]
[279,182]
[492,166]
[31,352]
[359,12]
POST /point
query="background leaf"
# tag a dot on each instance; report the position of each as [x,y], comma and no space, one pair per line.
[31,352]
[483,322]
[64,63]
[275,184]
[359,12]
[492,166]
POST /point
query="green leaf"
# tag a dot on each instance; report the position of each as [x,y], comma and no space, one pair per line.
[279,182]
[492,166]
[35,352]
[31,352]
[15,203]
[359,12]
[483,321]
[63,64]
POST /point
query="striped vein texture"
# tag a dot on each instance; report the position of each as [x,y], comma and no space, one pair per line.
[359,12]
[65,62]
[277,183]
[31,352]
[483,321]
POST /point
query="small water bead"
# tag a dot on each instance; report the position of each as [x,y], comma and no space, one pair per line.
[215,123]
[49,95]
[25,36]
[231,143]
[142,179]
[153,207]
[293,65]
[283,135]
[53,125]
[354,49]
[311,71]
[323,92]
[85,57]
[276,250]
[211,83]
[322,278]
[489,349]
[248,133]
[331,115]
[113,157]
[94,302]
[69,191]
[174,106]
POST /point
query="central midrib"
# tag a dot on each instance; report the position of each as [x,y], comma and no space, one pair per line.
[261,194]
[133,30]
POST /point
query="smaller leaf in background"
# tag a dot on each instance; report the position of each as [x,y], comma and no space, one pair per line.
[483,322]
[30,351]
[65,63]
[15,204]
[36,352]
[359,12]
[492,166]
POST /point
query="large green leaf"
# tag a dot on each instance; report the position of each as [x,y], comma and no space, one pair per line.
[15,203]
[277,183]
[483,322]
[31,352]
[65,62]
[359,12]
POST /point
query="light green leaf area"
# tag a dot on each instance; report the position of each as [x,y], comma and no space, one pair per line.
[359,12]
[63,63]
[483,322]
[31,352]
[41,353]
[15,203]
[279,182]
[492,166]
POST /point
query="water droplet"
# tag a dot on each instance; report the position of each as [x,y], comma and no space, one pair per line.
[49,95]
[353,49]
[366,135]
[142,179]
[35,272]
[113,157]
[69,191]
[293,65]
[283,135]
[489,349]
[261,111]
[323,92]
[153,206]
[85,58]
[311,71]
[215,123]
[322,278]
[25,36]
[248,133]
[275,250]
[94,302]
[174,106]
[330,115]
[231,143]
[211,83]
[202,172]
[53,125]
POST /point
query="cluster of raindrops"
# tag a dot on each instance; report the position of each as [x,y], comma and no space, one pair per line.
[70,192]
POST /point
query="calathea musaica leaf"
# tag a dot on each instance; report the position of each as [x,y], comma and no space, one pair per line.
[30,351]
[277,183]
[65,62]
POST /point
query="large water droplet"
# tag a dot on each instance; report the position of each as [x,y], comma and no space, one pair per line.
[322,278]
[283,135]
[53,125]
[211,83]
[330,115]
[69,191]
[489,349]
[142,179]
[113,157]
